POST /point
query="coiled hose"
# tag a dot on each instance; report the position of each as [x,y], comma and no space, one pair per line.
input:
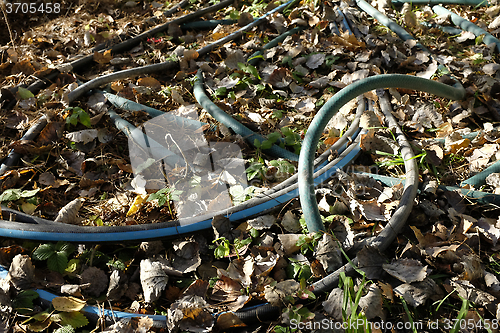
[307,196]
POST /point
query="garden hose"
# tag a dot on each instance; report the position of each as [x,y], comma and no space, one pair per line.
[155,150]
[382,241]
[330,108]
[93,312]
[31,134]
[169,12]
[123,46]
[483,198]
[446,29]
[130,43]
[384,20]
[208,24]
[126,104]
[254,58]
[344,21]
[438,2]
[467,25]
[479,179]
[167,65]
[233,124]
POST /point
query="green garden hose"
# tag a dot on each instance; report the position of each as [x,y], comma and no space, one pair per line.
[307,195]
[384,20]
[252,60]
[233,124]
[467,25]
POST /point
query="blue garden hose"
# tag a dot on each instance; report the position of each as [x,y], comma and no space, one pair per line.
[481,197]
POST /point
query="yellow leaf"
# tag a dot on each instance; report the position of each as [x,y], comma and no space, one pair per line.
[137,204]
[68,304]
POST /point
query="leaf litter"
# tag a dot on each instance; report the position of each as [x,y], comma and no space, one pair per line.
[446,229]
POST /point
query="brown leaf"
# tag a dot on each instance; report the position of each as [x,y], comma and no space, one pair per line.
[95,281]
[417,293]
[406,270]
[24,67]
[7,253]
[153,279]
[190,313]
[349,41]
[198,287]
[68,304]
[52,132]
[28,147]
[228,320]
[226,290]
[327,252]
[372,303]
[334,304]
[275,295]
[149,82]
[103,58]
[280,78]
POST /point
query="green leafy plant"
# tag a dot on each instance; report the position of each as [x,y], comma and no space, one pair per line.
[241,194]
[256,170]
[23,302]
[308,242]
[241,243]
[249,69]
[14,194]
[221,91]
[292,139]
[351,301]
[223,248]
[164,196]
[55,254]
[299,313]
[299,270]
[77,114]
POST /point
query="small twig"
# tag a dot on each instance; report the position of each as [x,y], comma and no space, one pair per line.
[2,5]
[168,135]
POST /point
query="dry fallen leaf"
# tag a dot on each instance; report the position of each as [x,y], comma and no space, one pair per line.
[69,213]
[406,270]
[21,272]
[153,279]
[68,304]
[103,58]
